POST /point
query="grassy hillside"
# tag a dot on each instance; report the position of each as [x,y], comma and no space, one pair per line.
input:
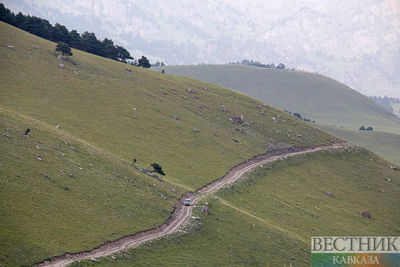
[335,107]
[314,96]
[268,219]
[68,199]
[386,145]
[59,194]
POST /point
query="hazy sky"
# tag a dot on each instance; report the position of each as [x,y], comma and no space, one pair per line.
[356,42]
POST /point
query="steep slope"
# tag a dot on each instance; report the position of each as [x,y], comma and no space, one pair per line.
[314,96]
[269,218]
[334,106]
[59,193]
[118,113]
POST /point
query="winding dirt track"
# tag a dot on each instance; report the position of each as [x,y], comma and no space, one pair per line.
[181,213]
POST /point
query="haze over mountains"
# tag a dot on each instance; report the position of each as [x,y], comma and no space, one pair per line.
[354,42]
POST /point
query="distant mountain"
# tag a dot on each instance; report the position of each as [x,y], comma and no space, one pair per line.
[355,42]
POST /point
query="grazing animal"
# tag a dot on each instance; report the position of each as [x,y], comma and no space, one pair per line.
[27,131]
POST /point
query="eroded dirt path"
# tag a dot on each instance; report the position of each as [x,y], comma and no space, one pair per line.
[181,213]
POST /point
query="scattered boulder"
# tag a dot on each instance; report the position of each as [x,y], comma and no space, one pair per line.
[204,209]
[77,73]
[45,175]
[329,194]
[366,214]
[27,131]
[174,117]
[235,140]
[195,130]
[224,108]
[237,119]
[190,90]
[72,176]
[65,188]
[389,180]
[61,66]
[262,112]
[39,157]
[128,69]
[58,127]
[11,47]
[195,97]
[37,147]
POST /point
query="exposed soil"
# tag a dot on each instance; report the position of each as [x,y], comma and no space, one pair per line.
[181,213]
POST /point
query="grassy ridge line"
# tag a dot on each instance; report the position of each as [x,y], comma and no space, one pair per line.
[387,145]
[62,133]
[315,96]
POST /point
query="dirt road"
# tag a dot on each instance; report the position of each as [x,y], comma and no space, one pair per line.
[181,213]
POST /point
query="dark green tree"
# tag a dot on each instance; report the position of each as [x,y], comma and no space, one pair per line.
[144,62]
[123,54]
[370,128]
[19,20]
[90,43]
[157,168]
[6,15]
[64,49]
[108,49]
[362,128]
[60,33]
[75,39]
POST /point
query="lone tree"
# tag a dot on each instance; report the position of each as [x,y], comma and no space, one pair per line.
[64,49]
[144,62]
[157,168]
[362,128]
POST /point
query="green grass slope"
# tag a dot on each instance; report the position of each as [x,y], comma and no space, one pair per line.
[314,96]
[387,145]
[58,194]
[117,112]
[269,219]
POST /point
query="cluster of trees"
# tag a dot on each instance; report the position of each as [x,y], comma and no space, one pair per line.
[385,101]
[158,63]
[369,128]
[86,41]
[279,66]
[298,115]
